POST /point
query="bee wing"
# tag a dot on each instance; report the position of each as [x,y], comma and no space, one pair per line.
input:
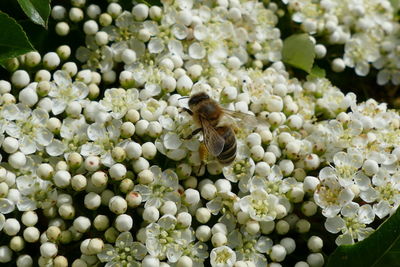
[244,119]
[213,141]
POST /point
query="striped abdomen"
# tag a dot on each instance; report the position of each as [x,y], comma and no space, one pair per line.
[228,153]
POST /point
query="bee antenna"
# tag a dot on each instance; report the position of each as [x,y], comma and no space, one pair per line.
[183,97]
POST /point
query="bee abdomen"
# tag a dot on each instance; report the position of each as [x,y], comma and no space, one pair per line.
[228,153]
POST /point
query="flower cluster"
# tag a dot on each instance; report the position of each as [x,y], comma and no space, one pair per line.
[367,29]
[101,155]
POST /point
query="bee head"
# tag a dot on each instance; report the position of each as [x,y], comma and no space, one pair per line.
[197,98]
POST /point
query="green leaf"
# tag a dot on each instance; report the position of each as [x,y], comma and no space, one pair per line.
[317,72]
[395,5]
[37,10]
[298,51]
[381,248]
[13,40]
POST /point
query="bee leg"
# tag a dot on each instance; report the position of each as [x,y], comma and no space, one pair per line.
[188,111]
[203,153]
[193,134]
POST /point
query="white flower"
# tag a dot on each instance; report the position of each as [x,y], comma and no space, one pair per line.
[152,109]
[163,188]
[103,139]
[345,169]
[64,91]
[119,101]
[165,239]
[351,223]
[260,205]
[385,191]
[28,126]
[250,247]
[222,257]
[331,196]
[126,252]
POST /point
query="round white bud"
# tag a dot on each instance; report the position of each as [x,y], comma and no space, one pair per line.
[140,12]
[118,205]
[78,182]
[101,38]
[124,223]
[149,150]
[320,51]
[81,224]
[92,201]
[29,218]
[223,185]
[370,167]
[58,12]
[51,60]
[303,226]
[282,227]
[90,27]
[93,11]
[20,78]
[338,65]
[17,160]
[310,184]
[184,261]
[184,219]
[219,228]
[191,196]
[150,261]
[140,164]
[219,239]
[203,215]
[208,191]
[62,179]
[24,260]
[75,14]
[31,234]
[289,244]
[315,243]
[92,163]
[48,250]
[315,260]
[10,145]
[5,254]
[11,226]
[309,208]
[151,214]
[62,28]
[169,207]
[128,56]
[278,253]
[101,222]
[203,233]
[5,86]
[117,171]
[311,162]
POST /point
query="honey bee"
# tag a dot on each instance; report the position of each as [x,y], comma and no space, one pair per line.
[219,136]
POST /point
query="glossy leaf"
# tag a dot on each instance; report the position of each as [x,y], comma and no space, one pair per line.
[13,40]
[381,248]
[37,10]
[298,51]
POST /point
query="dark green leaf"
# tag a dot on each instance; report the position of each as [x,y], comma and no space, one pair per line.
[317,72]
[381,248]
[37,10]
[13,40]
[298,51]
